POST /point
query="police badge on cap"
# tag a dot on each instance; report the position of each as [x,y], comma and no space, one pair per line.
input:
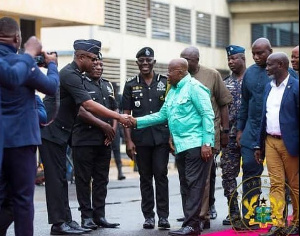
[145,52]
[234,49]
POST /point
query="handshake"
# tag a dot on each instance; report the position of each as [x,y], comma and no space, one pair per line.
[127,120]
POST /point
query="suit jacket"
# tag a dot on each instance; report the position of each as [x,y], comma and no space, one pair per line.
[288,116]
[19,108]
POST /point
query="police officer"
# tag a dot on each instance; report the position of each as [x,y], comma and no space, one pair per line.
[145,94]
[231,154]
[91,149]
[56,136]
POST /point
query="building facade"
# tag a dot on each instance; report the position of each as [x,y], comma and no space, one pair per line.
[168,26]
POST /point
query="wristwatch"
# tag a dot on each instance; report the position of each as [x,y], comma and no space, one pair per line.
[207,144]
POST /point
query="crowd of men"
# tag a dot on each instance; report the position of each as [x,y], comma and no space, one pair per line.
[251,115]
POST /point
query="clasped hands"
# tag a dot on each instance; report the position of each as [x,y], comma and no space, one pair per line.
[127,120]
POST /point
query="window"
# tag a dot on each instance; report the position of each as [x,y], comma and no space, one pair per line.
[136,17]
[182,25]
[280,34]
[111,70]
[203,28]
[160,15]
[112,14]
[222,32]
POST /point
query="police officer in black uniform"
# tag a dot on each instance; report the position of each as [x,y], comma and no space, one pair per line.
[56,136]
[145,94]
[91,149]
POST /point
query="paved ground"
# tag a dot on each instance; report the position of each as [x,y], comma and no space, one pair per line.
[123,205]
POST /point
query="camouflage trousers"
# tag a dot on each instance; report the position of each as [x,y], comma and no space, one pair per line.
[230,164]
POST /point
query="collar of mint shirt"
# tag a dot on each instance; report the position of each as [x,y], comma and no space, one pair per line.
[189,114]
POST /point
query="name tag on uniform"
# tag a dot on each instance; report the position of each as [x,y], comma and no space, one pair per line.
[92,92]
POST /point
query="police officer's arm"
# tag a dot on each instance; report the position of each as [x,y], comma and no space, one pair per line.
[92,120]
[100,110]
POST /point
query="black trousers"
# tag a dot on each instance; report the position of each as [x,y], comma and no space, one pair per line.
[153,162]
[54,159]
[193,173]
[17,189]
[91,164]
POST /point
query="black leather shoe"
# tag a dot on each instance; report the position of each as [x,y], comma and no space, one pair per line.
[74,225]
[212,212]
[163,223]
[180,219]
[149,223]
[274,231]
[187,230]
[64,229]
[292,230]
[226,221]
[243,225]
[88,223]
[121,177]
[102,222]
[204,224]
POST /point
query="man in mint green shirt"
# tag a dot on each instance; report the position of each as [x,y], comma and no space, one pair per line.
[190,116]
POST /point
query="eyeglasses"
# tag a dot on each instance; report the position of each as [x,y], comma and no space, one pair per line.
[171,71]
[147,60]
[93,59]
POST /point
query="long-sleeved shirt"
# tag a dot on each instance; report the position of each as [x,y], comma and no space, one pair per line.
[189,113]
[250,114]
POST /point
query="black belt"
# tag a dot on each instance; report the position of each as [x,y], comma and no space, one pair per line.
[275,136]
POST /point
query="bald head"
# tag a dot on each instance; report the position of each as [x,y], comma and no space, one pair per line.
[179,63]
[261,49]
[262,42]
[277,66]
[191,54]
[177,69]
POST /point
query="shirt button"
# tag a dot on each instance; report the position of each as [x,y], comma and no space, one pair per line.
[150,100]
[149,88]
[150,112]
[94,99]
[104,98]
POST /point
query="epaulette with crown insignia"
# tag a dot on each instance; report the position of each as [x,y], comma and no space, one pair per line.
[130,79]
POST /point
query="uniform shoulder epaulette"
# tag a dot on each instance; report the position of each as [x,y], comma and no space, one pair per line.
[106,80]
[130,79]
[163,76]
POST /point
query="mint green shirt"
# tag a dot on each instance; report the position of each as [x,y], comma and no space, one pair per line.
[189,113]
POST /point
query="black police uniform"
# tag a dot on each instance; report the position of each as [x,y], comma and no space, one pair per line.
[151,143]
[91,157]
[55,139]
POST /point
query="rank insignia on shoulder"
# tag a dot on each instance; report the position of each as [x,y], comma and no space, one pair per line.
[129,79]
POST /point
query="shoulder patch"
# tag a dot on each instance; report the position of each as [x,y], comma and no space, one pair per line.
[130,79]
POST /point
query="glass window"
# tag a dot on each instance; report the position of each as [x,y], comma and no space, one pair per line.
[280,34]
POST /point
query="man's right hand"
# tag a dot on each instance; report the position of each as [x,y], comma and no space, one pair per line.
[33,46]
[130,150]
[238,137]
[124,119]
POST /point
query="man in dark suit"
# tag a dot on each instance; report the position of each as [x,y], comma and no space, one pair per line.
[12,75]
[56,136]
[279,139]
[21,128]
